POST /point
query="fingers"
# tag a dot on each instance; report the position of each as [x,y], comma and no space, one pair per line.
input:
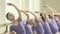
[27,11]
[37,12]
[10,4]
[45,5]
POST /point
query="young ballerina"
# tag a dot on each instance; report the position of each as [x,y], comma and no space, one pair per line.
[45,24]
[59,23]
[52,22]
[57,18]
[37,26]
[17,25]
[28,27]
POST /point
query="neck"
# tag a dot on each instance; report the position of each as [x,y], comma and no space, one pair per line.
[13,21]
[35,24]
[58,21]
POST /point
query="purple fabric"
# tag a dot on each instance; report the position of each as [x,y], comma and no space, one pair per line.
[28,28]
[53,26]
[18,29]
[47,29]
[58,26]
[39,28]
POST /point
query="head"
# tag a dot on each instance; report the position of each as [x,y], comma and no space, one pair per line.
[43,15]
[50,16]
[10,17]
[56,17]
[32,21]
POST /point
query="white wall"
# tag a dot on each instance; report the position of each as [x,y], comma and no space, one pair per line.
[53,3]
[2,11]
[31,5]
[34,5]
[2,14]
[10,8]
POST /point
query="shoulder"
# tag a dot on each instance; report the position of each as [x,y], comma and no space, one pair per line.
[32,28]
[11,26]
[19,19]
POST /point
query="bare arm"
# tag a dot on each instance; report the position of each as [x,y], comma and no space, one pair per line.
[12,32]
[26,14]
[34,15]
[1,25]
[56,13]
[33,32]
[37,12]
[50,9]
[54,10]
[4,24]
[16,9]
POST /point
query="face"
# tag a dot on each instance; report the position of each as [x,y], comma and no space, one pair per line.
[56,18]
[45,15]
[11,17]
[32,21]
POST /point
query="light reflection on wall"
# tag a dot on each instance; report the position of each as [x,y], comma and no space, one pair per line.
[31,5]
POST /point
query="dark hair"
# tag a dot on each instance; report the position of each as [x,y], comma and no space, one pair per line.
[40,14]
[50,16]
[57,16]
[42,17]
[7,15]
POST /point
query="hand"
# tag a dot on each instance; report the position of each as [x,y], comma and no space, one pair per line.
[26,11]
[45,5]
[2,33]
[37,12]
[10,4]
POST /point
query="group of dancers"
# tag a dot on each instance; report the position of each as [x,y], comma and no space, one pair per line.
[46,24]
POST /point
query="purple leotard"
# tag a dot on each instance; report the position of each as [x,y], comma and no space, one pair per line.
[53,26]
[58,26]
[19,29]
[39,28]
[28,28]
[47,29]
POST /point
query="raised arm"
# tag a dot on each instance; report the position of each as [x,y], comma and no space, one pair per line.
[56,13]
[19,11]
[26,14]
[50,9]
[38,11]
[11,33]
[36,18]
[54,10]
[1,25]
